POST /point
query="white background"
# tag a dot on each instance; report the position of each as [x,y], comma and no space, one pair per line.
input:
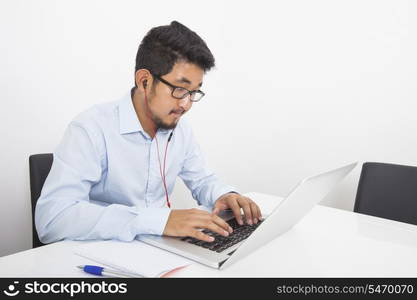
[300,87]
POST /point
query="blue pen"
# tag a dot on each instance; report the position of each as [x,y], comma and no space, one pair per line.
[100,271]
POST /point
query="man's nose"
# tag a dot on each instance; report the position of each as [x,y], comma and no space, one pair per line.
[185,102]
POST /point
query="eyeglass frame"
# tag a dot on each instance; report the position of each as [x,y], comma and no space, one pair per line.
[180,87]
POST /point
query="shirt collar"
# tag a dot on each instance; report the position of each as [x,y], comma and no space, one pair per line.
[128,119]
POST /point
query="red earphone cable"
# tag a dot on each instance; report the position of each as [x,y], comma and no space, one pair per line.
[159,159]
[160,170]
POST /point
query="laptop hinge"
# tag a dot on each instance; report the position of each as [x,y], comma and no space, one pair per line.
[222,262]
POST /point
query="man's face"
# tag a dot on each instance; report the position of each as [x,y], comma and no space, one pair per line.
[165,109]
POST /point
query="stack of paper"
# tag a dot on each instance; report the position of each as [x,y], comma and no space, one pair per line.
[132,258]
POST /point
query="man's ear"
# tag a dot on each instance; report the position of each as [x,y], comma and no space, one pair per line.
[143,78]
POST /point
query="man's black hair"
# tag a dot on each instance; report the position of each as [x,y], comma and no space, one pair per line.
[163,46]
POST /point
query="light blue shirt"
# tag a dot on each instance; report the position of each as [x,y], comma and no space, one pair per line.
[105,181]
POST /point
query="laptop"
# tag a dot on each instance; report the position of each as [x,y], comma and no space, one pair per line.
[245,239]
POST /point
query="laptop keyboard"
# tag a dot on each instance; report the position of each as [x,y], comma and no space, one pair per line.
[221,243]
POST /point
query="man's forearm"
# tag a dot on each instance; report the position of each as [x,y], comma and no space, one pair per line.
[85,221]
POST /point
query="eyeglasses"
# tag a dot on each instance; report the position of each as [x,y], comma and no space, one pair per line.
[180,92]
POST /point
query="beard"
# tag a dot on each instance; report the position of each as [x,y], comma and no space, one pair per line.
[159,123]
[163,125]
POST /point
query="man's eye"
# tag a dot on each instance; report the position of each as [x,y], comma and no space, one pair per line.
[180,92]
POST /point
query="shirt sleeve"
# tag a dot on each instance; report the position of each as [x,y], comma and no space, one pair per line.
[64,209]
[204,185]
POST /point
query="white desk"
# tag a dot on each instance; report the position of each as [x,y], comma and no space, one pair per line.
[328,242]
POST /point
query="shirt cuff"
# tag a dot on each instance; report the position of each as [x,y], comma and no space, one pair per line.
[152,220]
[233,192]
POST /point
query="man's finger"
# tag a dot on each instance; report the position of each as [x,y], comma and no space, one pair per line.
[255,214]
[244,203]
[216,228]
[208,221]
[201,236]
[234,206]
[259,212]
[222,223]
[219,206]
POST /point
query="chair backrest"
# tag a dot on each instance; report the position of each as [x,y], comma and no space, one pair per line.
[39,167]
[388,191]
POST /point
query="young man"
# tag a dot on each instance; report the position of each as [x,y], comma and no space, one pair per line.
[117,163]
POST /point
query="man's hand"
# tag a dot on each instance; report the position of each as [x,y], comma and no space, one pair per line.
[235,202]
[186,222]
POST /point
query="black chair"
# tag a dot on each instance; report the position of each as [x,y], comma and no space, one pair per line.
[39,167]
[388,191]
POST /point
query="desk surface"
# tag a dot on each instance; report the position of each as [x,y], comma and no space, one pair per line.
[328,242]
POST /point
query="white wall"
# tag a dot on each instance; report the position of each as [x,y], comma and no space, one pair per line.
[300,87]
